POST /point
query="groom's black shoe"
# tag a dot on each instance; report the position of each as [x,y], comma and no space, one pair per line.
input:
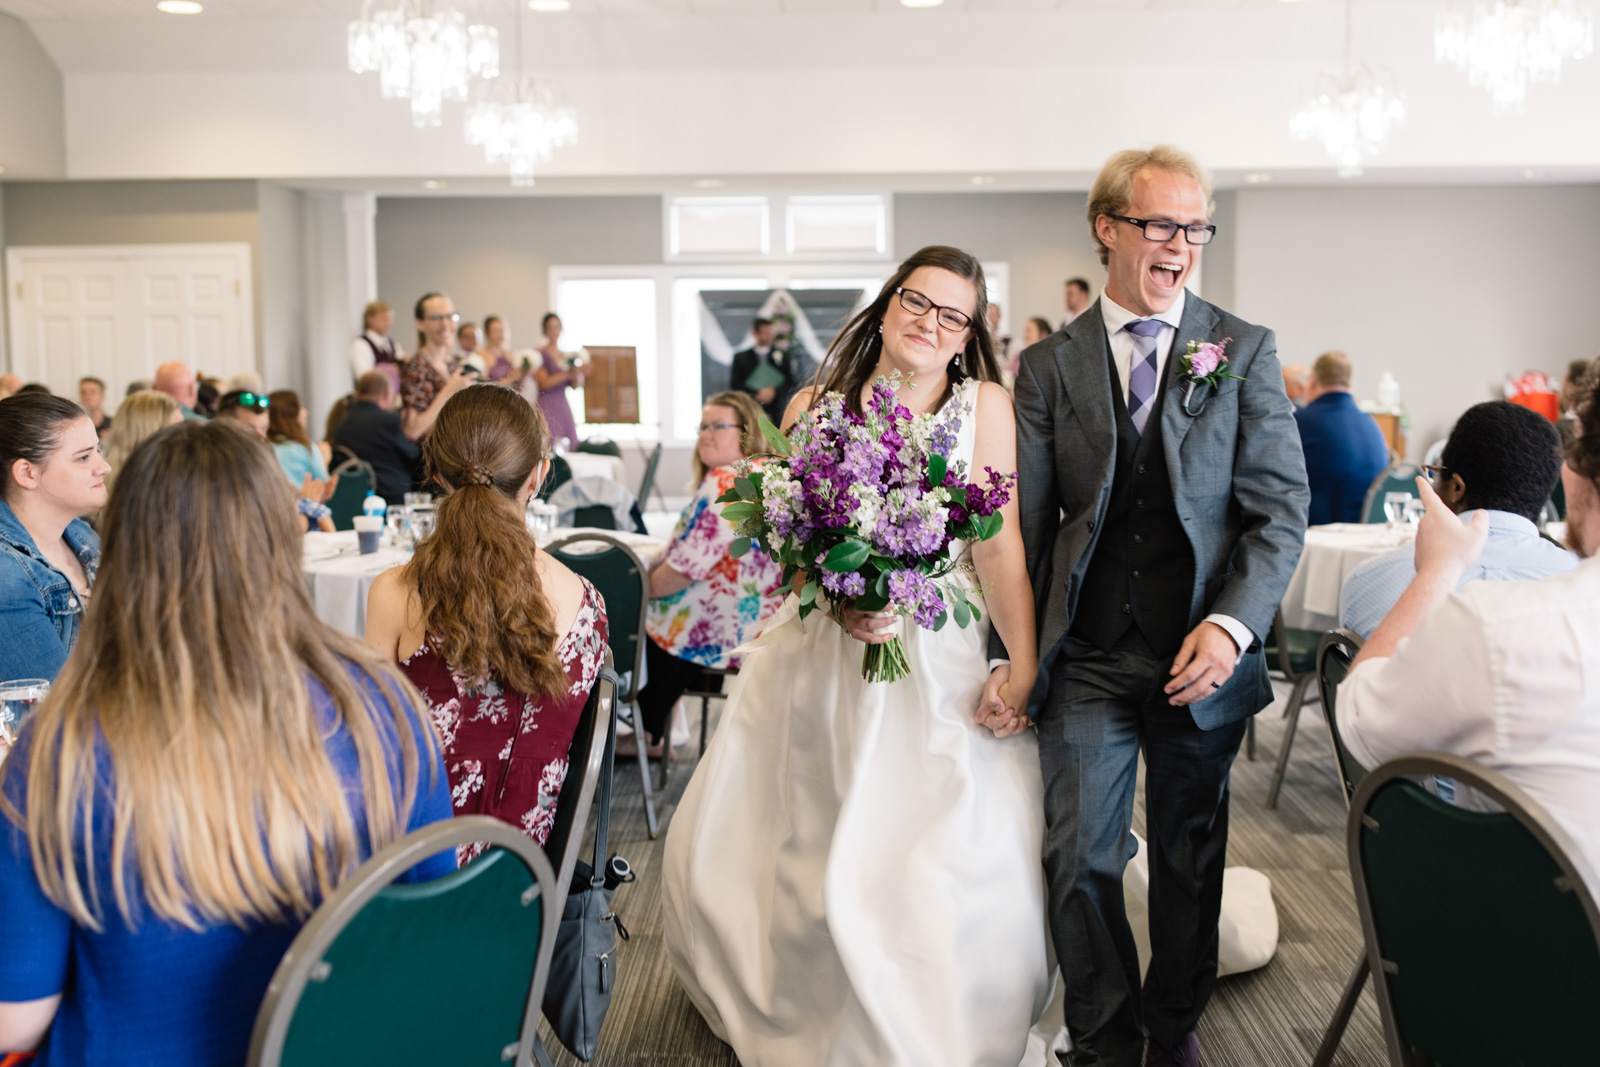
[1187,1054]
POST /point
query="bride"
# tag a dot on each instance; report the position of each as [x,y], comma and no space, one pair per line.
[853,876]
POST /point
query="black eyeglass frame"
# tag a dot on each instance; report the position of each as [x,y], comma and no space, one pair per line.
[1188,229]
[937,309]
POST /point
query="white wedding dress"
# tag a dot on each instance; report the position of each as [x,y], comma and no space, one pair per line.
[853,876]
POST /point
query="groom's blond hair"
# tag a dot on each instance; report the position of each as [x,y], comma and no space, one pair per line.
[1113,186]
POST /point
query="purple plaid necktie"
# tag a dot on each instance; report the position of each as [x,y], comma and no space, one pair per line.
[1142,374]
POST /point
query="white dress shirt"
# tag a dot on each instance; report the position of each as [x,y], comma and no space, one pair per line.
[1116,318]
[1504,673]
[361,356]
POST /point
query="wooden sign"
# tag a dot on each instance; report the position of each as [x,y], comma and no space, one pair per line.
[611,385]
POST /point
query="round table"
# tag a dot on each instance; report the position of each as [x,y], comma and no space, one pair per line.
[1331,553]
[339,577]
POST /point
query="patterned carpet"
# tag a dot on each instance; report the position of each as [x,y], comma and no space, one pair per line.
[1273,1017]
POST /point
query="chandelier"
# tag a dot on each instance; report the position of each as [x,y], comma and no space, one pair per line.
[519,121]
[1351,114]
[1505,44]
[1351,110]
[424,51]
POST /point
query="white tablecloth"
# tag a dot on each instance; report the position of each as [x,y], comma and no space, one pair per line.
[339,577]
[588,464]
[1331,553]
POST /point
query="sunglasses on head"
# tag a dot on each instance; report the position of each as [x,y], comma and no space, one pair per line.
[244,399]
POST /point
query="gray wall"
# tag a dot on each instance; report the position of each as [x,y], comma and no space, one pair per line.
[33,137]
[1448,288]
[126,213]
[282,357]
[493,254]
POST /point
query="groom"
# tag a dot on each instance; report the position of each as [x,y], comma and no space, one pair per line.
[1162,524]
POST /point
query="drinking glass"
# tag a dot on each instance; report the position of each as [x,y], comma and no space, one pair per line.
[17,701]
[399,521]
[418,500]
[1415,509]
[1394,508]
[421,523]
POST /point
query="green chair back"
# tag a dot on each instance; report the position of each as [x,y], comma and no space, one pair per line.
[560,474]
[355,481]
[595,517]
[624,585]
[648,482]
[600,446]
[1483,938]
[1399,478]
[1290,652]
[448,971]
[1336,652]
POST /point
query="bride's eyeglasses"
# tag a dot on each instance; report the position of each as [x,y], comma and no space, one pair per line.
[919,305]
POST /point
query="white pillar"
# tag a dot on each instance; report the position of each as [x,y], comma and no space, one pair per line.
[360,250]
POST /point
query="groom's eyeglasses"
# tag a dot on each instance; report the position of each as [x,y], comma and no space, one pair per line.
[1196,233]
[919,305]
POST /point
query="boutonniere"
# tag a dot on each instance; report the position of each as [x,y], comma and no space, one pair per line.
[1205,363]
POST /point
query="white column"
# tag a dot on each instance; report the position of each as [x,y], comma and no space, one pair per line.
[360,250]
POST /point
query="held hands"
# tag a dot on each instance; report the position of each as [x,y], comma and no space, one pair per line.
[1003,705]
[1446,546]
[1204,664]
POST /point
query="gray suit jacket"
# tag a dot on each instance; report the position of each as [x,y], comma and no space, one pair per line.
[1238,479]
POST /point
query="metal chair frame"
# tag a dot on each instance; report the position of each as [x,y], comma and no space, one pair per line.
[1401,469]
[648,482]
[301,964]
[1497,788]
[630,698]
[1291,710]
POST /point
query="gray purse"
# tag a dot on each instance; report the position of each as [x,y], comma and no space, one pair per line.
[583,968]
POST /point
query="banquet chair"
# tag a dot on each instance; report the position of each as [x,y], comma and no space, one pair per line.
[560,474]
[1292,655]
[599,446]
[648,482]
[447,971]
[594,491]
[1481,929]
[1400,477]
[356,479]
[624,584]
[1335,653]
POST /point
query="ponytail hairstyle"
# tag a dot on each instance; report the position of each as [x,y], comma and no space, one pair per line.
[31,425]
[853,357]
[477,578]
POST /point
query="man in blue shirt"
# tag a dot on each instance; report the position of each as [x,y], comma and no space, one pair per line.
[1345,451]
[1502,458]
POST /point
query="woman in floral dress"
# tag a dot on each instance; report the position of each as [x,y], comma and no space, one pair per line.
[503,641]
[704,603]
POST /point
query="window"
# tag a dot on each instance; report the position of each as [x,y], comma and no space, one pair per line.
[718,226]
[613,311]
[834,225]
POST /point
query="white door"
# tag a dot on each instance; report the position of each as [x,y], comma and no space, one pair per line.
[119,312]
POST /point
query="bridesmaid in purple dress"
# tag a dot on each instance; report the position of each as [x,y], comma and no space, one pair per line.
[554,378]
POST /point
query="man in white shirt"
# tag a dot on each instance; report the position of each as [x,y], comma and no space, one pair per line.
[374,347]
[1504,673]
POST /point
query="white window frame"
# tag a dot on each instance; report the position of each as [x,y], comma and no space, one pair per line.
[776,246]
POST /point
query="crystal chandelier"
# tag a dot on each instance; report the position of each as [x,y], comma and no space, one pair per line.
[423,50]
[1505,44]
[519,121]
[1351,111]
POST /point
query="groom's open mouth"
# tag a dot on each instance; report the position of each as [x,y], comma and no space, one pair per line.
[1166,275]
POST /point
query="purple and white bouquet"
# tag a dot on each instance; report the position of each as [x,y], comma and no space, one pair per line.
[866,506]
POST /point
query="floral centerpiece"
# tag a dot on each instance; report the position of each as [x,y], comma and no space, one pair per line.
[866,506]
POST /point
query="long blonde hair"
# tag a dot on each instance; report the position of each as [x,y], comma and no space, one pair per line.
[139,416]
[191,676]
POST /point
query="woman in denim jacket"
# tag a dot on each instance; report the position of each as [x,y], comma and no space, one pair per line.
[51,474]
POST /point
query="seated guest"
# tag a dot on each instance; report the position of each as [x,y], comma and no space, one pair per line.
[206,395]
[370,431]
[140,416]
[1572,386]
[286,429]
[1498,672]
[9,384]
[1297,383]
[246,407]
[1344,449]
[503,641]
[53,476]
[704,603]
[233,759]
[179,382]
[1501,458]
[92,398]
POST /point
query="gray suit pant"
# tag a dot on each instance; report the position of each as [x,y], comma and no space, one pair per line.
[1103,707]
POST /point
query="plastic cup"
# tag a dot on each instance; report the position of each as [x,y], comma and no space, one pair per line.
[368,529]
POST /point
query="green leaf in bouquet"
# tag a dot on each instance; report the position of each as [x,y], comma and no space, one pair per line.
[747,488]
[881,586]
[847,556]
[731,496]
[937,465]
[740,546]
[871,600]
[958,495]
[742,510]
[807,609]
[962,612]
[991,525]
[808,594]
[775,439]
[938,624]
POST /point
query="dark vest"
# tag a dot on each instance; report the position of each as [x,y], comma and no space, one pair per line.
[1141,571]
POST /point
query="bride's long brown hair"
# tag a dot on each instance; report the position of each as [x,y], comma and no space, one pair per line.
[191,671]
[483,604]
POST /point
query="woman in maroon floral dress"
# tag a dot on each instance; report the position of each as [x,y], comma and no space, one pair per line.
[502,640]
